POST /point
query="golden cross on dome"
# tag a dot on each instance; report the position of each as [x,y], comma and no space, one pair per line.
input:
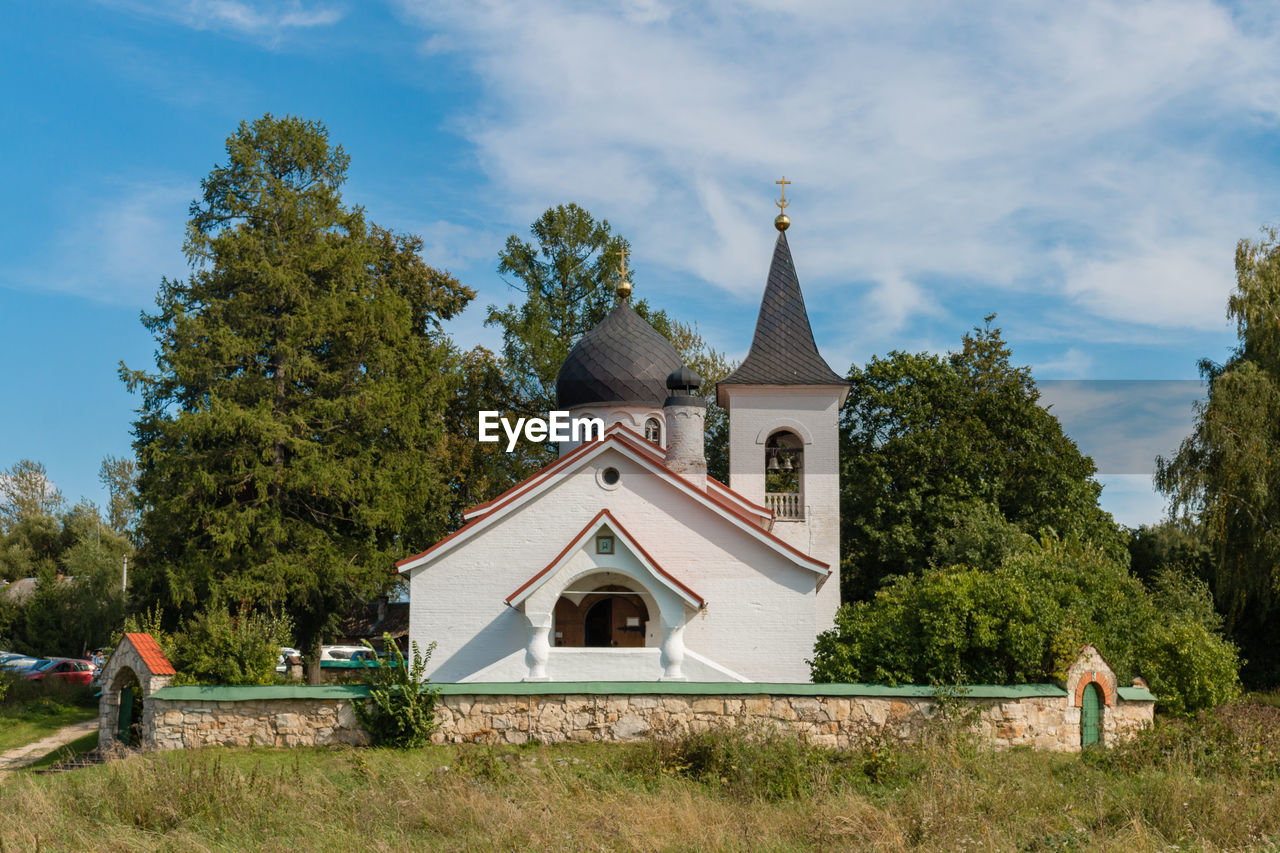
[624,287]
[782,202]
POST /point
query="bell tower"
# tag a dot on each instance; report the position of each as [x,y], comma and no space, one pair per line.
[784,403]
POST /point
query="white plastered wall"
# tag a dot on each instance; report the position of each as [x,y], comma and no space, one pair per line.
[759,620]
[631,417]
[812,413]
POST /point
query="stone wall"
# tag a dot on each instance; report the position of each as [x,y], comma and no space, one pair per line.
[1042,722]
[284,721]
[178,718]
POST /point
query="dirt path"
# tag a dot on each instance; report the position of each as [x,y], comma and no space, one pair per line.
[18,756]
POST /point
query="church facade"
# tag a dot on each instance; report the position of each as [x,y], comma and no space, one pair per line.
[623,560]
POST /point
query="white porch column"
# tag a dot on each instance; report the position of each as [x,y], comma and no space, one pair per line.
[673,653]
[537,652]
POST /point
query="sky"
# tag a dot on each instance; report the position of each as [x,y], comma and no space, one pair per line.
[1083,171]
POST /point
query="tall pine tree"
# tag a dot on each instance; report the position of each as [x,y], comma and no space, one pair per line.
[291,441]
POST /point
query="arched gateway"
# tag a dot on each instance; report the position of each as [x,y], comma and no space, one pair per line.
[136,669]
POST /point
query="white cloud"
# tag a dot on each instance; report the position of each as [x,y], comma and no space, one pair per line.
[118,249]
[244,17]
[1067,150]
[1072,364]
[1131,499]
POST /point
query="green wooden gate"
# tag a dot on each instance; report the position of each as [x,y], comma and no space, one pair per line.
[126,714]
[1090,715]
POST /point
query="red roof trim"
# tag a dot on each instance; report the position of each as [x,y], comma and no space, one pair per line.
[546,470]
[623,436]
[149,650]
[593,525]
[764,510]
[462,529]
[634,543]
[726,505]
[574,542]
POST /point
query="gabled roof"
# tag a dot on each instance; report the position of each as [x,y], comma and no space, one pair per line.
[783,351]
[604,518]
[638,450]
[149,650]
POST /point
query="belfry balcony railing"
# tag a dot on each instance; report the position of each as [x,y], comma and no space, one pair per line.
[786,506]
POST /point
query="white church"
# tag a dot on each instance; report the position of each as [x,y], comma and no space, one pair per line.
[622,560]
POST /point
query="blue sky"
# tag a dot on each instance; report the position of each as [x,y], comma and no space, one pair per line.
[1082,170]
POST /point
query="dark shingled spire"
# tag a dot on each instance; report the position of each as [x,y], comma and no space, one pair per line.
[622,361]
[783,351]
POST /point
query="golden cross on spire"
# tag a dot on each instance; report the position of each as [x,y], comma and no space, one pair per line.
[781,222]
[624,287]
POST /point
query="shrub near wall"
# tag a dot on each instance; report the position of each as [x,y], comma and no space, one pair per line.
[1024,622]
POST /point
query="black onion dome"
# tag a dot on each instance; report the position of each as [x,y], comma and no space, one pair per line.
[623,361]
[684,378]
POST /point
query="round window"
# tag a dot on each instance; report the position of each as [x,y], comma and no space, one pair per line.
[610,476]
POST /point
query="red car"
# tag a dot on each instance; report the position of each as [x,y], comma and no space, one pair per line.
[64,669]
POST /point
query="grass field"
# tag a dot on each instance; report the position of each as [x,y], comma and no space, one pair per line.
[28,723]
[1202,785]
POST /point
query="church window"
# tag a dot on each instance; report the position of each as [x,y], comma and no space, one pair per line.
[610,476]
[783,467]
[653,431]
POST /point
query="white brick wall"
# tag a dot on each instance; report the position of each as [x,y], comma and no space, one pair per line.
[755,413]
[760,618]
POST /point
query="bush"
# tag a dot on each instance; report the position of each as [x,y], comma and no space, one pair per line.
[1240,740]
[1024,622]
[216,647]
[401,711]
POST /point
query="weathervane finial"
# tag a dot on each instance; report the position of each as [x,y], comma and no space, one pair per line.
[623,288]
[782,220]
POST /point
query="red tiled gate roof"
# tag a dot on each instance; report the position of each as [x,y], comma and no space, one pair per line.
[149,650]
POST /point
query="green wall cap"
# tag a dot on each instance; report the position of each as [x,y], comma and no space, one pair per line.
[218,693]
[223,693]
[1135,694]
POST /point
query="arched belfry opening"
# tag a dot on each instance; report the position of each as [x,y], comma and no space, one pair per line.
[784,475]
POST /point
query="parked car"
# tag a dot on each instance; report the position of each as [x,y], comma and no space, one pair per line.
[339,652]
[70,670]
[282,659]
[18,663]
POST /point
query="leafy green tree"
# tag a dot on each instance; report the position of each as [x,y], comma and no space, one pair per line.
[32,545]
[291,444]
[1170,545]
[568,279]
[1225,477]
[932,445]
[120,477]
[480,471]
[26,492]
[1024,621]
[75,559]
